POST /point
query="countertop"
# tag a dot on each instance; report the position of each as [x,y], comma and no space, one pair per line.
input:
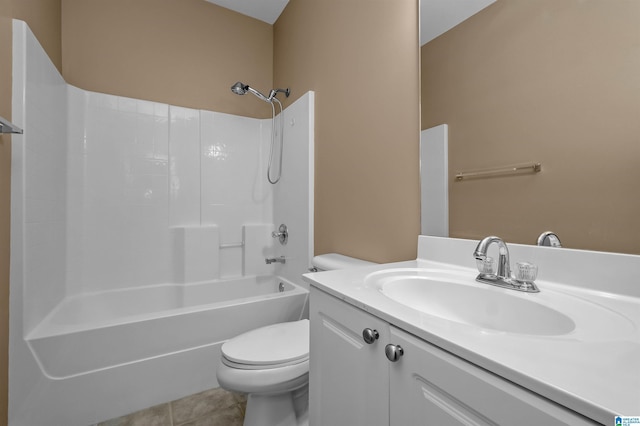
[593,370]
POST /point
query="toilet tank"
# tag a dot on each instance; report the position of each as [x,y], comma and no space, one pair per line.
[331,261]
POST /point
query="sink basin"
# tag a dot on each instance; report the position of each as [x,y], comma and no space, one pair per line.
[462,300]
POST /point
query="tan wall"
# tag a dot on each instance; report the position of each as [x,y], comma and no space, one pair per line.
[43,16]
[550,81]
[180,52]
[361,58]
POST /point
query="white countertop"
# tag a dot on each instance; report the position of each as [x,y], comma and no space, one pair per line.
[593,370]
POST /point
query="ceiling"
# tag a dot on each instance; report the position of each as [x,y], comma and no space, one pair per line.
[264,10]
[439,16]
[436,16]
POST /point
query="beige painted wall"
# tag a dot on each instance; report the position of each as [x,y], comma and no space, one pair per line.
[180,52]
[361,58]
[550,81]
[44,19]
[43,16]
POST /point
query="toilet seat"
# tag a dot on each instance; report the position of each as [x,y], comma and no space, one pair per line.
[272,346]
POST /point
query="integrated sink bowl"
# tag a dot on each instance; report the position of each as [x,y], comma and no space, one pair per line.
[489,308]
[454,295]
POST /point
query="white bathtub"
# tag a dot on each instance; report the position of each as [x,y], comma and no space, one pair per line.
[103,330]
[134,341]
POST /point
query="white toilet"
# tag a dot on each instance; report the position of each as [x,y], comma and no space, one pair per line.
[271,364]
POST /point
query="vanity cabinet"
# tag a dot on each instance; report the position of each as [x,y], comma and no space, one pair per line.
[349,378]
[352,382]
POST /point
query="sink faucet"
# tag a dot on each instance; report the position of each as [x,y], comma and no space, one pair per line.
[271,260]
[504,268]
[503,278]
[550,239]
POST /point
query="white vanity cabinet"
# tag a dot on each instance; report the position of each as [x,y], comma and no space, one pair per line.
[349,378]
[353,383]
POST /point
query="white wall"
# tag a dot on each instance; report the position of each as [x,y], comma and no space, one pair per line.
[38,192]
[293,195]
[150,193]
[142,170]
[434,181]
[38,181]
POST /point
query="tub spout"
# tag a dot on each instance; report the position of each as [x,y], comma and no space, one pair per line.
[271,260]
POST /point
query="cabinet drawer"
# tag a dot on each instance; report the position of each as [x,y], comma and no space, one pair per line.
[430,386]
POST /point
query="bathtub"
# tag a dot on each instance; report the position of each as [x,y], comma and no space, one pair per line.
[148,345]
[103,330]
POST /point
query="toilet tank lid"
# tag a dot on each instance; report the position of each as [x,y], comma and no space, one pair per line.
[330,261]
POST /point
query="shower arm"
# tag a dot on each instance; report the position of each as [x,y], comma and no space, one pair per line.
[274,92]
[258,94]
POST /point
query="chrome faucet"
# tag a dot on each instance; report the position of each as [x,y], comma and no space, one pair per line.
[271,260]
[504,267]
[550,239]
[502,278]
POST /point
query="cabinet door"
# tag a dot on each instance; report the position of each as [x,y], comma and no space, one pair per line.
[429,386]
[348,378]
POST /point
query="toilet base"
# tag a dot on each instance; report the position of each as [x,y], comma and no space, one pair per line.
[274,410]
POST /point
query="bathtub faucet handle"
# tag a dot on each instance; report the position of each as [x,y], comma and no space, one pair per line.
[282,235]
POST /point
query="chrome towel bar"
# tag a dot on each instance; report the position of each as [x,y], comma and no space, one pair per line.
[500,171]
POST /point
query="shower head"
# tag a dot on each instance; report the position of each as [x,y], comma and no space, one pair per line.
[240,89]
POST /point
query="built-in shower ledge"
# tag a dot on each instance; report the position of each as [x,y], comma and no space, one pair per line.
[95,331]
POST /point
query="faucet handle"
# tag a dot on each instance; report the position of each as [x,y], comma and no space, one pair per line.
[486,266]
[526,274]
[282,235]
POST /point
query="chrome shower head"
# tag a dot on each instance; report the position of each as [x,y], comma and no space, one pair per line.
[239,88]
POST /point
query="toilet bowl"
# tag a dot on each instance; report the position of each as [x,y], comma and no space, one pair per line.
[271,365]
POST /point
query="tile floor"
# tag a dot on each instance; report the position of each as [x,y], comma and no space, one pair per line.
[215,407]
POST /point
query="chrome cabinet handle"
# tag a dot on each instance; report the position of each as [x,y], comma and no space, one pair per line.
[370,336]
[393,352]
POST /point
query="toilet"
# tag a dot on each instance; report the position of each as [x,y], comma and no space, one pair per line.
[271,364]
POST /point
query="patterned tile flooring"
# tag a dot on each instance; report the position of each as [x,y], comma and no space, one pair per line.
[215,407]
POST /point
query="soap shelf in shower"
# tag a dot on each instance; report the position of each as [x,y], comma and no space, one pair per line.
[500,171]
[232,245]
[8,127]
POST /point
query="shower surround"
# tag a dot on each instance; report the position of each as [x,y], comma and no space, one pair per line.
[139,233]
